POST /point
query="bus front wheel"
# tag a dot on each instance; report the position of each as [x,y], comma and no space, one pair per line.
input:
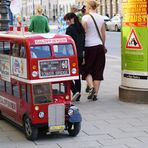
[31,131]
[74,128]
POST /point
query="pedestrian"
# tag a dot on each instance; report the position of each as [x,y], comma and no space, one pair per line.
[76,31]
[54,18]
[46,17]
[39,23]
[74,9]
[94,49]
[107,14]
[19,20]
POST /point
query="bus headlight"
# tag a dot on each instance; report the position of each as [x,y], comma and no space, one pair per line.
[67,97]
[34,73]
[41,114]
[74,70]
[36,108]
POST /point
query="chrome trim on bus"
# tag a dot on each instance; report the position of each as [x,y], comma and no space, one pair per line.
[45,80]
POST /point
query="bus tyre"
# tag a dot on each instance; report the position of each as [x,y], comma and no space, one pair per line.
[31,132]
[1,117]
[74,128]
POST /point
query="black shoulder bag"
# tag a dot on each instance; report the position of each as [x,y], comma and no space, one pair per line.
[105,50]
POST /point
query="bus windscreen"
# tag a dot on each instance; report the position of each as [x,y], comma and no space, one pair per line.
[40,51]
[41,93]
[63,50]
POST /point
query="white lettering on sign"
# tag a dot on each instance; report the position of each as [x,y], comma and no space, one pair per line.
[8,103]
[49,41]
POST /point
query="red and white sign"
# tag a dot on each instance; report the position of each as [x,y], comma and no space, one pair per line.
[133,42]
[8,103]
[49,41]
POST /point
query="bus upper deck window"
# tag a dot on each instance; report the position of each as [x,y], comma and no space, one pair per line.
[15,50]
[63,50]
[4,47]
[40,51]
[22,52]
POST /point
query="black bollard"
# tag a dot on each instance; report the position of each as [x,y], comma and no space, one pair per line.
[4,15]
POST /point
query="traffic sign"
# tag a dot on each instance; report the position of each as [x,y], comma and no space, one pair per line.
[133,41]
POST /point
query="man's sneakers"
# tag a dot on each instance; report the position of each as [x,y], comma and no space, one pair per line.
[95,98]
[87,89]
[91,95]
[76,97]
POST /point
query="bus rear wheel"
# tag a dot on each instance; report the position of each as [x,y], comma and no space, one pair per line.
[1,117]
[74,128]
[31,131]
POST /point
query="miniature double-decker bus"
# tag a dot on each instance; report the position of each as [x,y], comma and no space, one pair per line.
[35,79]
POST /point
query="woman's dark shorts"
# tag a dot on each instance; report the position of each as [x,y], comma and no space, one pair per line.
[94,62]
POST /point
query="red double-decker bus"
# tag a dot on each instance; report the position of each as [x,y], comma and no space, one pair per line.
[35,75]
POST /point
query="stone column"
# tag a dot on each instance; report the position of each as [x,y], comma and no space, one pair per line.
[134,85]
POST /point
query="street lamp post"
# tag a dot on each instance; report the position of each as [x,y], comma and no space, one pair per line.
[57,7]
[4,15]
[33,7]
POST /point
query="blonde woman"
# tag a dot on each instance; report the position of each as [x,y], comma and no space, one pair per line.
[39,23]
[94,49]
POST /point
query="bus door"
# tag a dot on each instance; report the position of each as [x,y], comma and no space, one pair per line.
[24,105]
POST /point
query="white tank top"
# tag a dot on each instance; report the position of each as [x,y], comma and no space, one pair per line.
[92,38]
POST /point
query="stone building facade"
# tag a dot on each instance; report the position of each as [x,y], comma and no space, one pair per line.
[61,7]
[110,7]
[51,7]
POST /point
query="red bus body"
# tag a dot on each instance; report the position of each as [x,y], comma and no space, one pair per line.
[35,75]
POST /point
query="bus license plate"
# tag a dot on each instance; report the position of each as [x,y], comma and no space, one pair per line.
[56,128]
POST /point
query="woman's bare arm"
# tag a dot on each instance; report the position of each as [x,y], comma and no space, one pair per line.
[103,33]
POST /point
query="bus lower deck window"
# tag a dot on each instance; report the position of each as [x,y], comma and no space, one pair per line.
[2,86]
[41,93]
[58,88]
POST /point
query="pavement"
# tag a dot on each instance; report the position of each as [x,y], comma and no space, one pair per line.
[107,122]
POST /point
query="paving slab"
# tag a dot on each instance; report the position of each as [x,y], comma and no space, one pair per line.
[107,122]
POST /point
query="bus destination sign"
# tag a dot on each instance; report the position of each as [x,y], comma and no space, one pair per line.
[53,68]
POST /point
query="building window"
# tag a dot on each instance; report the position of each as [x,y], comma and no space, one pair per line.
[116,5]
[101,8]
[106,11]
